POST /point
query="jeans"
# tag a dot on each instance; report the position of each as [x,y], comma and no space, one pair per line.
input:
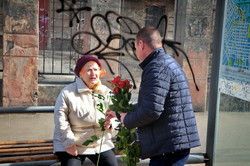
[107,158]
[178,158]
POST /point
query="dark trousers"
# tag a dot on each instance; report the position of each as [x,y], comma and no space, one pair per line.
[107,158]
[178,158]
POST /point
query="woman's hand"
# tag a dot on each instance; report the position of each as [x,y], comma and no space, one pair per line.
[72,150]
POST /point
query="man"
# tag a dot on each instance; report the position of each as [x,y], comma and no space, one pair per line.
[164,113]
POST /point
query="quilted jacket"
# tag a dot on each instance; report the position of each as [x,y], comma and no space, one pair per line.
[164,113]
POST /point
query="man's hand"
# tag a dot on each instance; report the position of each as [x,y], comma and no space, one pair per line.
[72,150]
[123,116]
[109,115]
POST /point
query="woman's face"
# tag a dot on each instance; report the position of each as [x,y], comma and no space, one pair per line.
[90,74]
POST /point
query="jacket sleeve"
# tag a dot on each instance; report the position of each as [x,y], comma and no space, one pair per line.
[155,85]
[61,121]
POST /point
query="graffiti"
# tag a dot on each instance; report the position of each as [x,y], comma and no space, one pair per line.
[111,28]
[196,28]
[43,32]
[71,8]
[102,45]
[43,24]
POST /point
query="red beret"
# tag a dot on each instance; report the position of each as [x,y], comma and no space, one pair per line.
[83,60]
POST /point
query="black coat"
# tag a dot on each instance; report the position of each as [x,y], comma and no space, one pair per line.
[164,113]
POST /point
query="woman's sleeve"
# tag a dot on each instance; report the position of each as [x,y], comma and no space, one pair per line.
[61,121]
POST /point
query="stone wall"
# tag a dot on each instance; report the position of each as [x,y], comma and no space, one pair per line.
[1,50]
[20,53]
[1,31]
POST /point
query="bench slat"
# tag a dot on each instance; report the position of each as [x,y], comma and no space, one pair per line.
[17,159]
[25,145]
[26,142]
[12,150]
[26,153]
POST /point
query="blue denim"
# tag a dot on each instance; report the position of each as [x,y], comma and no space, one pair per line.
[178,158]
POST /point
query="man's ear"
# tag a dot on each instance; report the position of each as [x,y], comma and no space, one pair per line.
[141,44]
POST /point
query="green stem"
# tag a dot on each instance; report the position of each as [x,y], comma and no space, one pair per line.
[98,160]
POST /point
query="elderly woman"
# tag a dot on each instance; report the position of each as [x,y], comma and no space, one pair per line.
[76,117]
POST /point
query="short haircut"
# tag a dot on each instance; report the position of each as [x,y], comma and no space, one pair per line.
[150,35]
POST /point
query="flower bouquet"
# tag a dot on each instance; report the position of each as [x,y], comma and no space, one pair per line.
[126,138]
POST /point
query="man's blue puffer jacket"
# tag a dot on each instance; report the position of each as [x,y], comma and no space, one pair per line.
[164,113]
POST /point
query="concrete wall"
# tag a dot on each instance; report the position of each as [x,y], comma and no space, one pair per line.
[26,126]
[197,18]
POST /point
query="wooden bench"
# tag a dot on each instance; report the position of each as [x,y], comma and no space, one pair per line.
[41,150]
[26,151]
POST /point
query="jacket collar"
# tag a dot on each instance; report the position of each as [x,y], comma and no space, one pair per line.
[82,87]
[150,57]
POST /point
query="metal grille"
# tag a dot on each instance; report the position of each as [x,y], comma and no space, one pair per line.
[56,55]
